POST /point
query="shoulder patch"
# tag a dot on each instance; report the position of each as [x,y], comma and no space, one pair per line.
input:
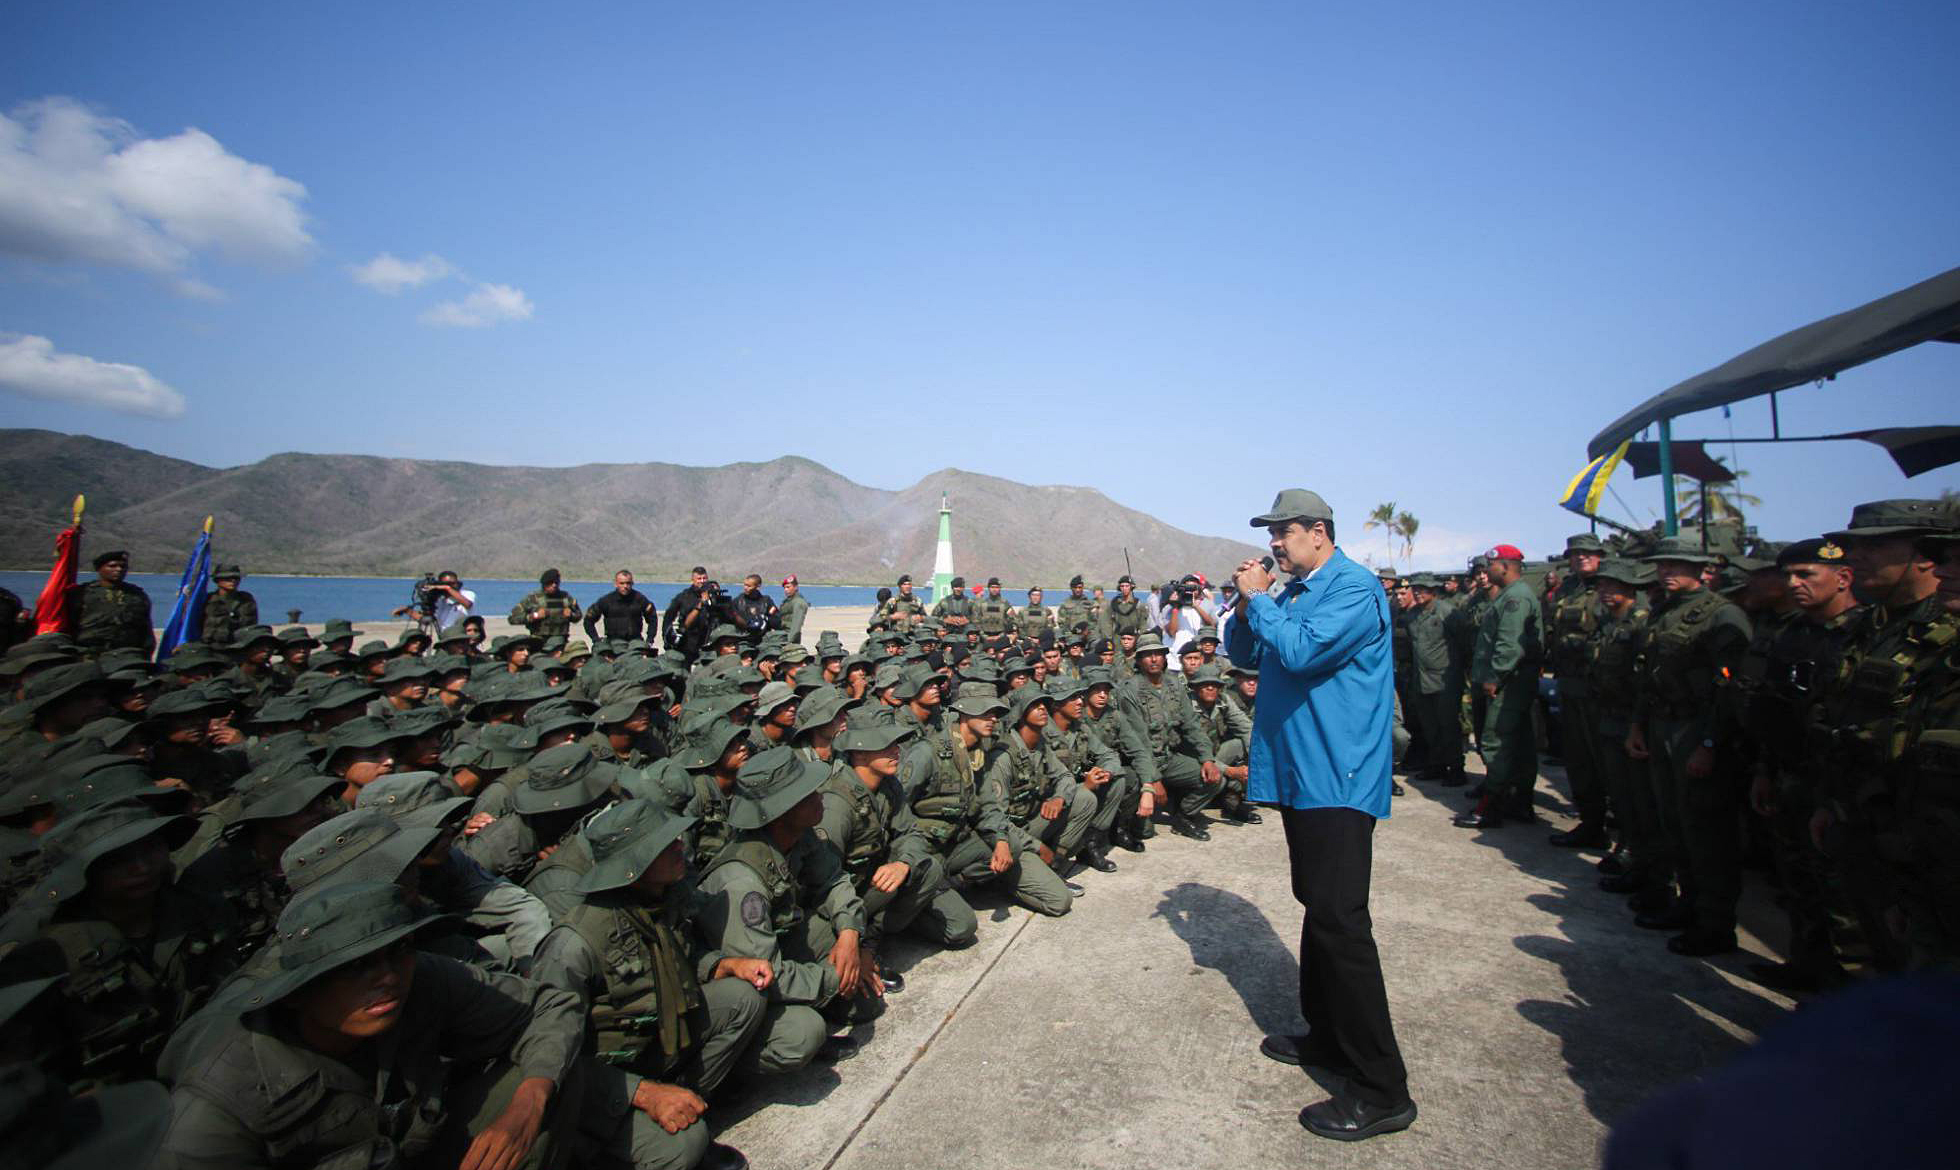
[755,910]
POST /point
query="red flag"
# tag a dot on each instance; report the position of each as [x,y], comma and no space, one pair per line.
[51,611]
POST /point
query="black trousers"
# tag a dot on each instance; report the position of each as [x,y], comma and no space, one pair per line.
[1331,851]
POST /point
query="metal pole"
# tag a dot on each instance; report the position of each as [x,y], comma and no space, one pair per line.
[1670,521]
[1775,419]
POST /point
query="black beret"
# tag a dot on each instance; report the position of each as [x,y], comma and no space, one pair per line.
[102,559]
[1816,551]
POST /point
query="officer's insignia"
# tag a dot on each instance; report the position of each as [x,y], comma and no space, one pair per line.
[1829,552]
[755,910]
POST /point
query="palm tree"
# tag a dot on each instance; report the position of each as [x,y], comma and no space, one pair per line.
[1405,528]
[1383,517]
[1725,500]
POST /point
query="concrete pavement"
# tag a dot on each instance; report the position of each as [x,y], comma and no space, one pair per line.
[1530,1010]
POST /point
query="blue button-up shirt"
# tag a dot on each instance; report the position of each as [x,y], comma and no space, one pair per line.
[1324,649]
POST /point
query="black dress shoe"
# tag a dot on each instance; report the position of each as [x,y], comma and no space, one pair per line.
[892,980]
[836,1048]
[1304,1052]
[1074,890]
[1793,977]
[1620,883]
[1184,826]
[1483,816]
[1581,836]
[1097,860]
[1239,813]
[720,1157]
[1612,864]
[1350,1119]
[1126,840]
[1394,789]
[1649,902]
[1678,916]
[1702,942]
[1454,780]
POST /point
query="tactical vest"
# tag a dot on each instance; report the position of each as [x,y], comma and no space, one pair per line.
[1073,612]
[1127,617]
[777,878]
[871,831]
[947,799]
[557,619]
[1802,662]
[626,1019]
[1618,663]
[1036,618]
[224,616]
[711,820]
[1676,673]
[1026,782]
[1863,726]
[990,615]
[1575,618]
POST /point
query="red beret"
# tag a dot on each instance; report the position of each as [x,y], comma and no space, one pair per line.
[1505,552]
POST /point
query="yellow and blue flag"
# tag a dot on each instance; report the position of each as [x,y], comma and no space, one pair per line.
[1582,494]
[186,622]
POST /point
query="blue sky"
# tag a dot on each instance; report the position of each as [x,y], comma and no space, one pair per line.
[1186,254]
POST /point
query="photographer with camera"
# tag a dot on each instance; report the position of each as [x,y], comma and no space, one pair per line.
[626,611]
[692,613]
[1185,608]
[440,599]
[753,611]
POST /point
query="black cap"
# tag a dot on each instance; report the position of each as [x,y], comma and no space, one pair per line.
[1816,551]
[958,582]
[904,578]
[993,580]
[1075,580]
[1126,579]
[115,554]
[549,577]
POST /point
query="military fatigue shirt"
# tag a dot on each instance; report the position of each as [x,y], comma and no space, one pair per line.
[1125,617]
[561,613]
[1033,619]
[745,910]
[1429,647]
[227,613]
[111,617]
[1167,716]
[1508,642]
[791,613]
[1076,611]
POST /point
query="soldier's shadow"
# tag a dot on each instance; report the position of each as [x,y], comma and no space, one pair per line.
[1230,935]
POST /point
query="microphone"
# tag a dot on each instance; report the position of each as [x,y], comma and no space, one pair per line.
[1266,563]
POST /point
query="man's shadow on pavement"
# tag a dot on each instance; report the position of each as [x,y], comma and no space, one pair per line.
[1229,935]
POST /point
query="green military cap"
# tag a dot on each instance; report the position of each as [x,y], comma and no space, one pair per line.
[332,926]
[1148,644]
[1752,564]
[1294,504]
[452,635]
[1206,675]
[338,628]
[252,636]
[407,670]
[1022,698]
[829,645]
[497,746]
[47,1126]
[707,739]
[79,842]
[635,646]
[1060,688]
[565,777]
[795,654]
[293,636]
[195,700]
[113,731]
[889,674]
[554,715]
[773,695]
[424,720]
[527,686]
[1015,664]
[574,650]
[77,793]
[1242,671]
[319,664]
[1680,548]
[227,573]
[820,708]
[871,737]
[977,698]
[1816,551]
[625,841]
[1421,581]
[443,665]
[1626,572]
[410,634]
[374,648]
[1730,579]
[362,845]
[56,683]
[504,645]
[1480,561]
[1098,676]
[25,657]
[194,656]
[914,680]
[619,699]
[553,644]
[1898,518]
[1934,543]
[1584,542]
[745,676]
[981,669]
[267,796]
[355,734]
[122,658]
[1206,634]
[770,784]
[724,633]
[415,799]
[341,692]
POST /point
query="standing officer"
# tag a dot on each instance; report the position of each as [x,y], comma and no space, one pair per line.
[794,608]
[1505,667]
[1436,702]
[1695,648]
[229,609]
[1076,610]
[109,613]
[992,615]
[1574,618]
[1035,617]
[1125,613]
[955,610]
[1613,682]
[548,611]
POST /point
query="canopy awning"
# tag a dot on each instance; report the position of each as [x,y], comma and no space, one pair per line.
[1928,311]
[1690,459]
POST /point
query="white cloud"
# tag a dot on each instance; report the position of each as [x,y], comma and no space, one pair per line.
[76,186]
[29,365]
[487,304]
[391,274]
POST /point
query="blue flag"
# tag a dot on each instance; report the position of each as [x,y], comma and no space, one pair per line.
[1582,494]
[186,622]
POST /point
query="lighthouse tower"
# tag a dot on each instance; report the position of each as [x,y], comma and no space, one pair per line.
[942,561]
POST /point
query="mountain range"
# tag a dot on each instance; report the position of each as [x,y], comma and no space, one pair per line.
[360,515]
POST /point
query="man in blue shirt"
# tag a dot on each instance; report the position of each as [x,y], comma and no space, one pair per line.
[1321,751]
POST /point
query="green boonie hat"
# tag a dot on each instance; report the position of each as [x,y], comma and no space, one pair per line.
[1097,676]
[772,783]
[333,926]
[1242,671]
[546,718]
[888,674]
[547,663]
[411,634]
[452,635]
[1422,581]
[1207,634]
[407,670]
[706,741]
[281,709]
[1022,698]
[1206,674]
[414,799]
[444,665]
[293,636]
[977,698]
[427,719]
[1584,542]
[251,636]
[1295,504]
[618,700]
[58,682]
[1060,688]
[981,669]
[915,679]
[338,628]
[269,796]
[565,777]
[1148,644]
[320,664]
[373,649]
[1015,664]
[772,696]
[364,845]
[72,846]
[25,656]
[190,701]
[625,841]
[504,645]
[342,692]
[574,650]
[820,707]
[227,572]
[724,633]
[1680,548]
[795,654]
[365,732]
[829,645]
[871,737]
[1897,518]
[1626,572]
[1752,564]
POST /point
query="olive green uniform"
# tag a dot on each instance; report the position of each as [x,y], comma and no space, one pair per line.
[869,828]
[1178,742]
[1437,701]
[1076,611]
[792,613]
[963,819]
[1574,618]
[1026,778]
[1030,620]
[111,617]
[1230,732]
[1508,651]
[227,613]
[1613,680]
[1125,617]
[561,613]
[993,617]
[1079,749]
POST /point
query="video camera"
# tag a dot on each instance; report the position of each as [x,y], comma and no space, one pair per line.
[424,593]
